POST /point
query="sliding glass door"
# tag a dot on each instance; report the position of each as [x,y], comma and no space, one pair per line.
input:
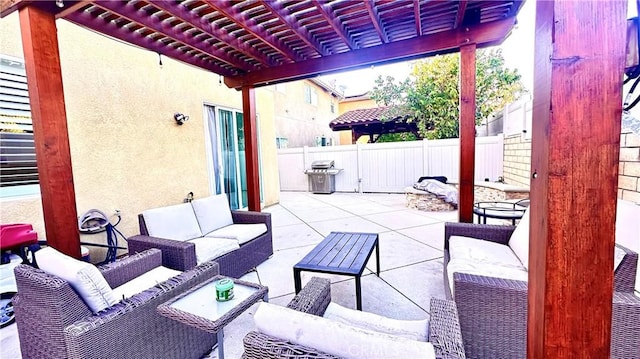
[228,167]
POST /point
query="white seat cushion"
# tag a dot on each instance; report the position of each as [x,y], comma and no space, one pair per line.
[208,248]
[243,233]
[176,222]
[519,241]
[480,251]
[84,277]
[145,281]
[212,212]
[483,269]
[410,329]
[333,337]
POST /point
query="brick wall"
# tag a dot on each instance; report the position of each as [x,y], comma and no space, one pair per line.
[517,160]
[517,164]
[629,178]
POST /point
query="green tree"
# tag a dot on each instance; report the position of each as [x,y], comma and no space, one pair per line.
[431,96]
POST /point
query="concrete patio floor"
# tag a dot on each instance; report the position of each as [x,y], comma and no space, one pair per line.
[410,258]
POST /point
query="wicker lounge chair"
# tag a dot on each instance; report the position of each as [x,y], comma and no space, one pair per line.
[444,331]
[54,322]
[493,311]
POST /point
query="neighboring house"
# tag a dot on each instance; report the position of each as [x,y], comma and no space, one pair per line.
[127,151]
[302,112]
[350,103]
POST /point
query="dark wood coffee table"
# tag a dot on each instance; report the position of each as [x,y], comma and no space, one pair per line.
[340,253]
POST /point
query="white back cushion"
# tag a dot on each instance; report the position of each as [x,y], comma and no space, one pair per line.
[335,338]
[628,225]
[243,233]
[144,281]
[410,329]
[84,277]
[176,222]
[208,248]
[519,241]
[481,251]
[212,212]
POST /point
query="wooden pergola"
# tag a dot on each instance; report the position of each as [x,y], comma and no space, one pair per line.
[579,64]
[373,122]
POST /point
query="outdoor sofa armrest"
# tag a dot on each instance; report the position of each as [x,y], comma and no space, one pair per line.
[493,315]
[248,217]
[625,331]
[313,298]
[125,269]
[487,232]
[625,276]
[175,254]
[444,329]
[96,336]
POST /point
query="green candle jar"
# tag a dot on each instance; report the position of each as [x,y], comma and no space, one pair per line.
[224,290]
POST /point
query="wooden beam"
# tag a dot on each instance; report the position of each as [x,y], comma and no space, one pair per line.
[462,7]
[445,42]
[46,95]
[185,14]
[95,23]
[283,14]
[129,12]
[575,149]
[417,14]
[251,147]
[327,13]
[67,9]
[226,8]
[467,132]
[377,22]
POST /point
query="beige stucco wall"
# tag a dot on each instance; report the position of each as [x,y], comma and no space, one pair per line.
[299,122]
[127,151]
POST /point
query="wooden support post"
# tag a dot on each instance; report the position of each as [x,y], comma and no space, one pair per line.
[579,64]
[251,147]
[44,79]
[467,131]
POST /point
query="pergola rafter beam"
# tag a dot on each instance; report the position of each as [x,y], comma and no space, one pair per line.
[462,7]
[377,22]
[418,15]
[86,19]
[444,42]
[335,23]
[183,13]
[163,27]
[226,8]
[278,10]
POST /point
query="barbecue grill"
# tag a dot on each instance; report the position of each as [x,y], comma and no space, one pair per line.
[322,176]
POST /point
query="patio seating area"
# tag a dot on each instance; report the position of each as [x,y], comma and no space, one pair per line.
[411,258]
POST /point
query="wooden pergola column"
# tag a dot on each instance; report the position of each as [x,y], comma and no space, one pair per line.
[44,78]
[467,131]
[579,64]
[251,147]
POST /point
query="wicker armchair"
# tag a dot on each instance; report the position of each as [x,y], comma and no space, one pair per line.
[493,311]
[444,331]
[54,322]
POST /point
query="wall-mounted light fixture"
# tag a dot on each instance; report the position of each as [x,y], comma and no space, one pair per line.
[180,118]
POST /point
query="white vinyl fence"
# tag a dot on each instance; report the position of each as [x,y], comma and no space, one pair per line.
[389,167]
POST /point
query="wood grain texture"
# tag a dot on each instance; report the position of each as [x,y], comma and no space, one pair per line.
[251,147]
[44,80]
[575,149]
[467,131]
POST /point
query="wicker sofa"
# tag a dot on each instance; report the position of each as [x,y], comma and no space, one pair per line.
[444,330]
[182,248]
[493,309]
[54,322]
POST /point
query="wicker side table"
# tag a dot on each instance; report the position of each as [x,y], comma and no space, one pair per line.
[198,307]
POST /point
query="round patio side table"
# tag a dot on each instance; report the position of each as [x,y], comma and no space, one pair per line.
[500,210]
